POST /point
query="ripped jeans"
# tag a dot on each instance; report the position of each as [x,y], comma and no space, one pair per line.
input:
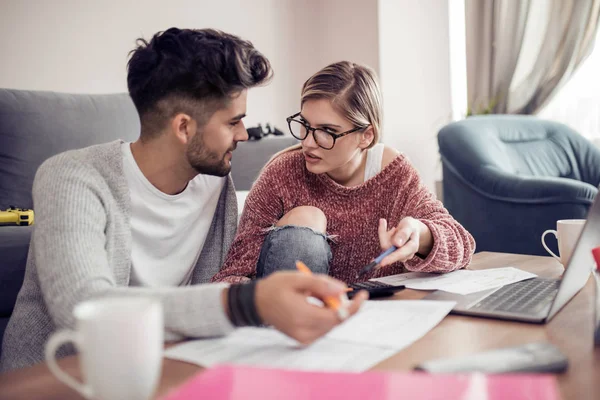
[285,245]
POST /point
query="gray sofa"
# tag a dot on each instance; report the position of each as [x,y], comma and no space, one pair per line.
[37,125]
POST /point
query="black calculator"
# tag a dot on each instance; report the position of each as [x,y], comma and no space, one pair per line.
[375,289]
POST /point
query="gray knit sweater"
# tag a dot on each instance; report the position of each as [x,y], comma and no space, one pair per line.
[81,249]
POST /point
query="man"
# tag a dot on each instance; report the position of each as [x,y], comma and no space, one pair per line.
[157,216]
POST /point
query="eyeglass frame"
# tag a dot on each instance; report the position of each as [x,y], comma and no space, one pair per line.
[309,128]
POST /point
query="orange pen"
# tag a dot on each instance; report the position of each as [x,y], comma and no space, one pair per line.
[339,304]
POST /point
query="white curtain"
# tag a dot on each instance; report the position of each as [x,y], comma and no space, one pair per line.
[520,53]
[577,104]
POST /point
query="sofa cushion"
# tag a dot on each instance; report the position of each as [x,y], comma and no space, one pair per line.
[37,125]
[251,156]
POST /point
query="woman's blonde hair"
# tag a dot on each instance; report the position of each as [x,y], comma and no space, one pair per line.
[354,93]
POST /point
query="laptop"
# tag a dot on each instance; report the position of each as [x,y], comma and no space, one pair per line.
[534,300]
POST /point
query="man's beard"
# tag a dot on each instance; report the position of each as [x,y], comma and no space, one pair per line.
[207,162]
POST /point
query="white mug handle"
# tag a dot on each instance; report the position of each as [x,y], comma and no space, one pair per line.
[58,339]
[552,231]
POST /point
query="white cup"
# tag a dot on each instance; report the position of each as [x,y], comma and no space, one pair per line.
[120,341]
[567,232]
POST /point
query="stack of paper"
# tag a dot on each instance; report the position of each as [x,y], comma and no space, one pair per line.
[233,383]
[376,332]
[462,281]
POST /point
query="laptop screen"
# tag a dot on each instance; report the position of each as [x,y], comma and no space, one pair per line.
[581,262]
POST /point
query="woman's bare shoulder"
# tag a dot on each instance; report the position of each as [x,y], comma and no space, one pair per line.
[389,155]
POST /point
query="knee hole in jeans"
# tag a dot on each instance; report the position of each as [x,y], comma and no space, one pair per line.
[308,216]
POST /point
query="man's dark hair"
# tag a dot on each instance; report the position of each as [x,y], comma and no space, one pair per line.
[194,71]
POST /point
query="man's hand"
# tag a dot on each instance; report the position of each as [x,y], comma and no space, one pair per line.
[411,236]
[281,301]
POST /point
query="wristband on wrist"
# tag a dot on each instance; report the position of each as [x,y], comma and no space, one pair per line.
[242,305]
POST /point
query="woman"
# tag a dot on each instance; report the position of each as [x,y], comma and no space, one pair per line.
[331,200]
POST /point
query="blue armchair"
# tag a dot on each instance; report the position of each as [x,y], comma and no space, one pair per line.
[508,178]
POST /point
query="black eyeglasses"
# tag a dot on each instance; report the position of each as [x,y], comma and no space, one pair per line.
[324,139]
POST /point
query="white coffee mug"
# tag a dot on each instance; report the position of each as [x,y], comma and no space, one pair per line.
[567,232]
[120,344]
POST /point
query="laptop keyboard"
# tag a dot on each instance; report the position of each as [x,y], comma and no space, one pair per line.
[525,297]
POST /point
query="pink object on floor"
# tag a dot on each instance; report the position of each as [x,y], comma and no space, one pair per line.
[235,382]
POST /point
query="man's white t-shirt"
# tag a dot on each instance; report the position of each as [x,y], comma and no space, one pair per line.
[168,231]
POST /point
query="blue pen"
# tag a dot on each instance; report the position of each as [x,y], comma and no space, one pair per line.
[376,261]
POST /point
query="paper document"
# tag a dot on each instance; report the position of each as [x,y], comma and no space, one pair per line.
[462,281]
[393,324]
[379,330]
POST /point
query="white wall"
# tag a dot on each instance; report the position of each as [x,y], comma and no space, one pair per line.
[457,37]
[415,73]
[81,46]
[342,30]
[329,31]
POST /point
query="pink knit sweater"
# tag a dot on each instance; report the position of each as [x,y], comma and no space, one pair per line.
[353,215]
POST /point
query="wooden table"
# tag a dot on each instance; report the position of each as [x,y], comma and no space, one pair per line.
[571,330]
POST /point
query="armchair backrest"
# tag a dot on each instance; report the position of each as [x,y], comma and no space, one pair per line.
[520,145]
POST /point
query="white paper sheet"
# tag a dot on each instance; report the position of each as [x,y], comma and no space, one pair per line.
[461,281]
[376,332]
[393,324]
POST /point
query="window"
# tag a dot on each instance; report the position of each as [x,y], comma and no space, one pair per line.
[577,104]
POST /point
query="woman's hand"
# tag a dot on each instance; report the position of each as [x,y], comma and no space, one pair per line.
[411,236]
